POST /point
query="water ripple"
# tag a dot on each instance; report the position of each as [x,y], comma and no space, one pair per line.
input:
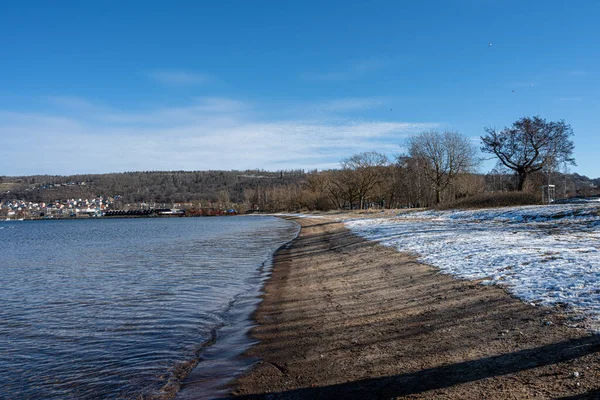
[110,308]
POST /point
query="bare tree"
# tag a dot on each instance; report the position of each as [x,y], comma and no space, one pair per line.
[362,172]
[315,191]
[339,190]
[529,145]
[412,183]
[388,193]
[442,156]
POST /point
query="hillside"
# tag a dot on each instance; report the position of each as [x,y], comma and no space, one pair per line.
[280,190]
[150,186]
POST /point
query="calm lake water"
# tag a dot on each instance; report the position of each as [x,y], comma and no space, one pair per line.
[123,308]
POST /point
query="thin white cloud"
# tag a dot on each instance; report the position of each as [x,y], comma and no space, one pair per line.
[211,133]
[180,77]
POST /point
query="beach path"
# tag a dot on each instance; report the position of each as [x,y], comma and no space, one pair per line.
[347,318]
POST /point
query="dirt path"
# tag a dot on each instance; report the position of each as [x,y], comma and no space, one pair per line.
[346,318]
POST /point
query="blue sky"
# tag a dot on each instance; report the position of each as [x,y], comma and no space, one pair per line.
[92,87]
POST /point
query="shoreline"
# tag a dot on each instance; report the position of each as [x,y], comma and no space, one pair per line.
[222,358]
[345,317]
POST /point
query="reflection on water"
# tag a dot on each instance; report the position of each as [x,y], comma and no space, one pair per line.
[114,308]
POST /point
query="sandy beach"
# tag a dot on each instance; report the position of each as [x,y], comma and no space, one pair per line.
[346,318]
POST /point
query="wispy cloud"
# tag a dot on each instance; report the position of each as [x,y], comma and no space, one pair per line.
[353,70]
[180,77]
[210,133]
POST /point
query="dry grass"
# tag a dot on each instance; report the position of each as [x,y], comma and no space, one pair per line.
[491,200]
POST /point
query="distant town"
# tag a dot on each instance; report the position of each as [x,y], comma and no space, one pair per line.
[102,206]
[17,209]
[99,206]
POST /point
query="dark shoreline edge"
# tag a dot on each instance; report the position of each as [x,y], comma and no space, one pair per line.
[189,380]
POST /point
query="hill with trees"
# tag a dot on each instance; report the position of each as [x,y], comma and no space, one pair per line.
[438,170]
[358,184]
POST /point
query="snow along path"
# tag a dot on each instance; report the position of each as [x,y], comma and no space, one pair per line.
[542,254]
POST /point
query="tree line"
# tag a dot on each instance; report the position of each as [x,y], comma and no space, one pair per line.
[436,168]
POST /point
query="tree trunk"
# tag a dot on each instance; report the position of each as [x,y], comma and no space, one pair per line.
[522,177]
[438,195]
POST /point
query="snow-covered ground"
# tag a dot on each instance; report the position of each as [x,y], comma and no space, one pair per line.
[542,254]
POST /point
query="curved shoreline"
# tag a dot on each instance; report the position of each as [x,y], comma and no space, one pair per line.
[344,317]
[221,359]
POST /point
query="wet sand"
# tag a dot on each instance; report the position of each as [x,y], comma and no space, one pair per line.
[346,318]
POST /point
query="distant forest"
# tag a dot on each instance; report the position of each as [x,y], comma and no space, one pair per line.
[383,185]
[439,169]
[148,186]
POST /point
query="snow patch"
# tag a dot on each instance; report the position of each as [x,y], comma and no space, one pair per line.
[542,254]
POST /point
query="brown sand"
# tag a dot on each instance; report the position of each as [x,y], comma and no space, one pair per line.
[346,318]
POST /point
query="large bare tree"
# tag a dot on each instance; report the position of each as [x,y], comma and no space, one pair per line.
[530,145]
[442,156]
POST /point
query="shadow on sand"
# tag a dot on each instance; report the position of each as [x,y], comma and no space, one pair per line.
[449,375]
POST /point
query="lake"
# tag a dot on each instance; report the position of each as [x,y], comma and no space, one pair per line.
[125,308]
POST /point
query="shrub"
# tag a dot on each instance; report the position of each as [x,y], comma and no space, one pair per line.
[491,200]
